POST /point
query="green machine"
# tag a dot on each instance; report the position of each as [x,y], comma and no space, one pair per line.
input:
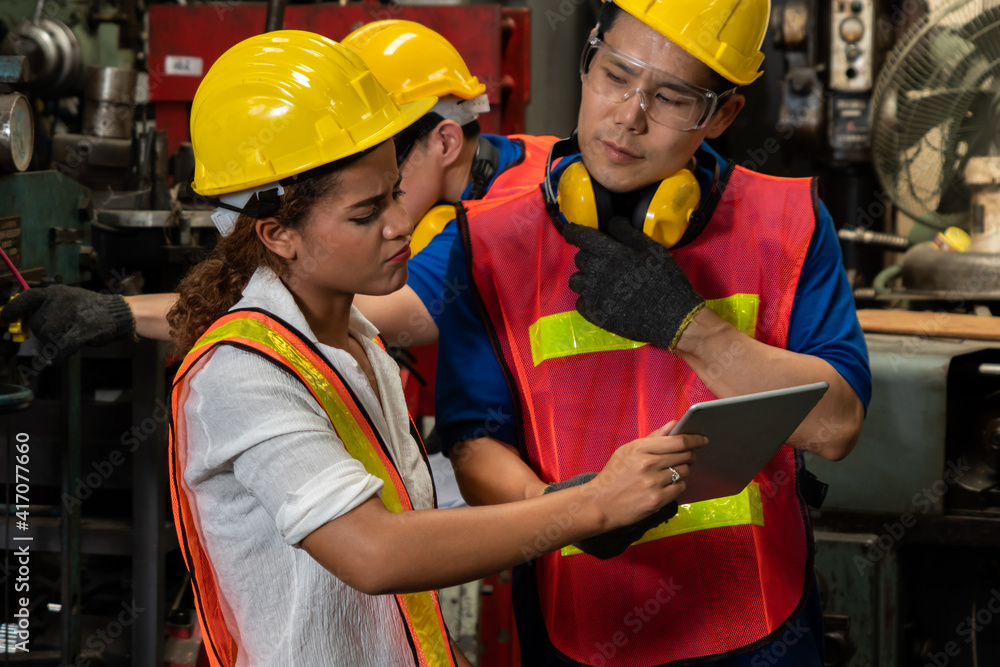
[66,77]
[44,215]
[47,51]
[44,226]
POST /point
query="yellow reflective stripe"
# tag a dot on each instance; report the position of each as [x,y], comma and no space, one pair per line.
[350,432]
[568,334]
[745,508]
[740,310]
[423,611]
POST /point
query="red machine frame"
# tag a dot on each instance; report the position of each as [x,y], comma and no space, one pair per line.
[494,41]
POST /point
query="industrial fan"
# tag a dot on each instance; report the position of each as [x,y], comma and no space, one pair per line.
[936,106]
[935,124]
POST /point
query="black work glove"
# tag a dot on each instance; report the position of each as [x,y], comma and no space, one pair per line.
[614,542]
[65,318]
[630,285]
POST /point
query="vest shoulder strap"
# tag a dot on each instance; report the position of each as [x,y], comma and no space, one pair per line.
[265,334]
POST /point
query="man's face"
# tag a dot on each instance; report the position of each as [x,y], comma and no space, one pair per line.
[621,147]
[422,180]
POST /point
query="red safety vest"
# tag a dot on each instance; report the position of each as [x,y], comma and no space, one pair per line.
[258,332]
[723,576]
[525,173]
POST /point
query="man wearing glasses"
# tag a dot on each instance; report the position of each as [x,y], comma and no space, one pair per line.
[575,331]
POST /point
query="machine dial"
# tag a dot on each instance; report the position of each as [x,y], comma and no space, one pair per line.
[852,30]
[17,133]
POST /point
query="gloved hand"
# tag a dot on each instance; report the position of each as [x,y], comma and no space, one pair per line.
[614,542]
[70,317]
[631,285]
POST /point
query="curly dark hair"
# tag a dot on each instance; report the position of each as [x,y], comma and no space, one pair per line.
[215,285]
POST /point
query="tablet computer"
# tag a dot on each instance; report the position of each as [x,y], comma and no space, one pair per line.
[743,432]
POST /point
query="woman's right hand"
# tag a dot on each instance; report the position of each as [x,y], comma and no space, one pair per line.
[637,480]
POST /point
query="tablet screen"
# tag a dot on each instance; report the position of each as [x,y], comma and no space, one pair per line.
[743,432]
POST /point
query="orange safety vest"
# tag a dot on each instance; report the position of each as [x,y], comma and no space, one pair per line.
[528,172]
[263,334]
[723,576]
[524,173]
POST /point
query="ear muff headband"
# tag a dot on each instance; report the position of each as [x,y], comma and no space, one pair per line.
[560,149]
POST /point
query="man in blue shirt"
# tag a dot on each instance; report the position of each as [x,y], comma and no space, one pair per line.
[486,410]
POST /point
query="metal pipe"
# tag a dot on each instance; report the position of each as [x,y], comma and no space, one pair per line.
[149,493]
[888,241]
[881,282]
[109,102]
[275,15]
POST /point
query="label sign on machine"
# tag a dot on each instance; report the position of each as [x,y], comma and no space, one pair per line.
[184,66]
[850,122]
[10,239]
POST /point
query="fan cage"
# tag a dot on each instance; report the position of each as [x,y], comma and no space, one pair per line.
[935,107]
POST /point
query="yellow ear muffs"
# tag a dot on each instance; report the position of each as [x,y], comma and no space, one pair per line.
[666,217]
[430,226]
[662,212]
[576,196]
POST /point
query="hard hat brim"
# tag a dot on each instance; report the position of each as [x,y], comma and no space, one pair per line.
[409,113]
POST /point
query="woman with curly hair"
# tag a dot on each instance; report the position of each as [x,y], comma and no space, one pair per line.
[302,496]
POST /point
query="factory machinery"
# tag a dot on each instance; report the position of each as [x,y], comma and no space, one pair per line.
[894,103]
[900,100]
[95,163]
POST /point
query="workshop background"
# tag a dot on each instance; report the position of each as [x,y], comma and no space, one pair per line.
[896,105]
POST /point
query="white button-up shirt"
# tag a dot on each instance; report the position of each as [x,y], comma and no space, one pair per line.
[265,468]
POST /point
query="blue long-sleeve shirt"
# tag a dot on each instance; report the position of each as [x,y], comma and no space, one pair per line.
[428,268]
[472,392]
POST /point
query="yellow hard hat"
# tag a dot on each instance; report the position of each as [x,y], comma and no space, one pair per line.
[726,35]
[413,61]
[953,238]
[284,102]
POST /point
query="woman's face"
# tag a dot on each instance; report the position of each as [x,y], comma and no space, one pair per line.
[356,240]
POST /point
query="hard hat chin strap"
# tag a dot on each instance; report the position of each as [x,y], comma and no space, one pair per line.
[229,206]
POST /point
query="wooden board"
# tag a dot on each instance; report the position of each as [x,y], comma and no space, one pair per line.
[936,325]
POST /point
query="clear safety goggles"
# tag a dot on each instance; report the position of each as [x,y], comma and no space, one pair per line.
[666,99]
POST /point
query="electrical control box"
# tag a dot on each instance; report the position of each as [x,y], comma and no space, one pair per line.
[852,45]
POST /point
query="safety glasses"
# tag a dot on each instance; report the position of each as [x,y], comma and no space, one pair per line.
[667,100]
